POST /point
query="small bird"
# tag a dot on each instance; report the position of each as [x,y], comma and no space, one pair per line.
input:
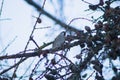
[59,40]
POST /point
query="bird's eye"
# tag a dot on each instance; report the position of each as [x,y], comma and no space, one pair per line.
[64,33]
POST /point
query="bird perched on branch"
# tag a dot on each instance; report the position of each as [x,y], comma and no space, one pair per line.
[59,40]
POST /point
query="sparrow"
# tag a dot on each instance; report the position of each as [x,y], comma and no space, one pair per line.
[59,40]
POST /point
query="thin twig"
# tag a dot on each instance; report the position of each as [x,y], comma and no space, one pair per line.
[8,46]
[59,22]
[1,7]
[31,38]
[90,75]
[79,18]
[4,71]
